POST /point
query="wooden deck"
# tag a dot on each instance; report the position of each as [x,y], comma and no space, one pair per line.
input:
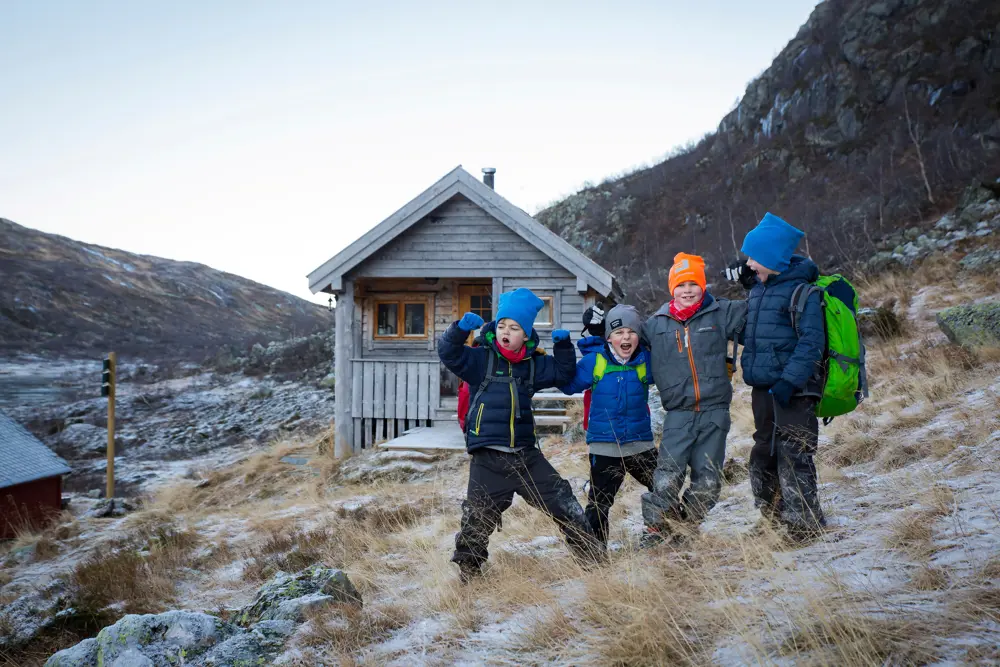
[445,436]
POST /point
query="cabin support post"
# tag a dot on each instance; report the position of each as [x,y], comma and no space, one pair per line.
[343,371]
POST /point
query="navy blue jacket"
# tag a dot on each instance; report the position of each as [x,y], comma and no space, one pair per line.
[502,415]
[773,349]
[619,411]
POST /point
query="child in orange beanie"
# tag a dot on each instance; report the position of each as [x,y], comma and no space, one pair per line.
[688,339]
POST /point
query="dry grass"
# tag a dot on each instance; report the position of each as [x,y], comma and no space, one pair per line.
[346,630]
[838,637]
[930,579]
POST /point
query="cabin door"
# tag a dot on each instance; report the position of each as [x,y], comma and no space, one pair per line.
[476,299]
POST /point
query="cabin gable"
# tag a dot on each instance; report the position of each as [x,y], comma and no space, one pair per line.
[459,239]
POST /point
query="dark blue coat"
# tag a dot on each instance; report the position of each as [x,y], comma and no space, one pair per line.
[773,350]
[502,415]
[619,411]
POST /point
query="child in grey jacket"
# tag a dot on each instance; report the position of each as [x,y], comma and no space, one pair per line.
[688,340]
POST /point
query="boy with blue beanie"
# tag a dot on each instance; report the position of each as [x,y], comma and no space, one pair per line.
[503,375]
[783,365]
[619,432]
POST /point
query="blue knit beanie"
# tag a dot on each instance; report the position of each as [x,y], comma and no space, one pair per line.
[772,243]
[522,306]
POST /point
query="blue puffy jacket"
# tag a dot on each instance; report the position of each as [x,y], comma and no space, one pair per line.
[619,411]
[773,349]
[502,415]
[589,344]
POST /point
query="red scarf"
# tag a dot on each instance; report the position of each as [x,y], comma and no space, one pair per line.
[685,314]
[513,357]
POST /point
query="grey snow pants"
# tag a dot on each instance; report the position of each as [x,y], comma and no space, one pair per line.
[695,440]
[494,478]
[782,470]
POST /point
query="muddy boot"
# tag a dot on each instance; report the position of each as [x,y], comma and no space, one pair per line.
[801,535]
[469,572]
[652,538]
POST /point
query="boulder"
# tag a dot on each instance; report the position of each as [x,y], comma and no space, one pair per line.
[288,596]
[252,647]
[27,616]
[984,260]
[976,325]
[170,638]
[111,507]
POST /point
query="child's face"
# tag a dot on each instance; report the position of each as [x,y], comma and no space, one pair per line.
[624,341]
[510,335]
[688,293]
[763,273]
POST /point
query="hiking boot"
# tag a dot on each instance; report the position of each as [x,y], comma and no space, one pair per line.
[469,572]
[802,535]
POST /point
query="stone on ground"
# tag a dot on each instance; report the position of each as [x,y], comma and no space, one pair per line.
[976,325]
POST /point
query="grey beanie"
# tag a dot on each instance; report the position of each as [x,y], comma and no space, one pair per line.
[622,316]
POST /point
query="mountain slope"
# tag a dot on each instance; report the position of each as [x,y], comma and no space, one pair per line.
[67,297]
[875,115]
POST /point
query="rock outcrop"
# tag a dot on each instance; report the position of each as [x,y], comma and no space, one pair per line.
[976,325]
[203,640]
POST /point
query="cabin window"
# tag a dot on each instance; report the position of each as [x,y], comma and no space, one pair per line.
[401,319]
[545,315]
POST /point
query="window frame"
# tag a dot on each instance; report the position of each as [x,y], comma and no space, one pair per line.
[551,300]
[401,302]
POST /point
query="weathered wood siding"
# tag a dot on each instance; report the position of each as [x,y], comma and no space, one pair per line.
[460,240]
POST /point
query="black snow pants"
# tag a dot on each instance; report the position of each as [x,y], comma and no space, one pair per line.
[607,473]
[782,470]
[494,478]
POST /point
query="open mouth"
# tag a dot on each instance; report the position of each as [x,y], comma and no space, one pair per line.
[505,341]
[626,347]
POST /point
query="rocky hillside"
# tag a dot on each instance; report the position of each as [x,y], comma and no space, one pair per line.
[64,297]
[876,114]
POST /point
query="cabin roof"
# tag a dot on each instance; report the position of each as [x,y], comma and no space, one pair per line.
[23,457]
[329,276]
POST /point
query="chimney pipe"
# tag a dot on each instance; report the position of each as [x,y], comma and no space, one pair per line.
[488,173]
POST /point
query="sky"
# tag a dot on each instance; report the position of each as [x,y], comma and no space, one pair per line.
[261,138]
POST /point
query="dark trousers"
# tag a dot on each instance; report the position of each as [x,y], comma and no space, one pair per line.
[782,469]
[607,473]
[494,478]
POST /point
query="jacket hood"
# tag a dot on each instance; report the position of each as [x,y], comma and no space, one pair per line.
[802,268]
[589,344]
[488,334]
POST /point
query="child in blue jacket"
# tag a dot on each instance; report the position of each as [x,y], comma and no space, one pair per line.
[619,433]
[783,365]
[503,375]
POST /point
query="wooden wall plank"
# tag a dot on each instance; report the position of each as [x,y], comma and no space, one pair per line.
[423,390]
[368,403]
[412,378]
[390,389]
[343,372]
[401,391]
[378,407]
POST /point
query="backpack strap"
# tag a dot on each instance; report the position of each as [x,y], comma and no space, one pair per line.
[531,376]
[600,365]
[490,367]
[798,303]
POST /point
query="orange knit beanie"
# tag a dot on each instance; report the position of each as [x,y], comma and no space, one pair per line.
[687,267]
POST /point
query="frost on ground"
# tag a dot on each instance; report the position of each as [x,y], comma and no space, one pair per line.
[908,573]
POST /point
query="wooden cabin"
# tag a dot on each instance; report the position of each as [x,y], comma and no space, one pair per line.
[452,249]
[30,480]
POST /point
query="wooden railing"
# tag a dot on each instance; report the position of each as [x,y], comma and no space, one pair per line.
[389,396]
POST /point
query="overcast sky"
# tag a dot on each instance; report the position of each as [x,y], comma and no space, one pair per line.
[262,137]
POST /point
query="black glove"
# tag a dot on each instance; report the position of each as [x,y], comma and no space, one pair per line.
[593,321]
[739,272]
[782,392]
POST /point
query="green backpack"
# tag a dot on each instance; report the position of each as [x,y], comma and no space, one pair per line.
[845,384]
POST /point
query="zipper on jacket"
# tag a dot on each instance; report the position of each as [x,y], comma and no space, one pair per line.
[680,349]
[512,403]
[479,417]
[694,371]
